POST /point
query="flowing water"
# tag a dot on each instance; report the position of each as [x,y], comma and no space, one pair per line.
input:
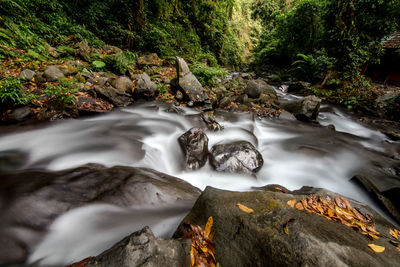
[295,154]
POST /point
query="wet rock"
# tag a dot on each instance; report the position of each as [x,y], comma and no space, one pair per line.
[122,83]
[90,105]
[53,73]
[188,84]
[113,95]
[258,238]
[36,198]
[19,114]
[110,49]
[211,122]
[52,51]
[144,87]
[27,74]
[142,248]
[68,70]
[305,109]
[301,88]
[194,144]
[239,157]
[149,60]
[256,87]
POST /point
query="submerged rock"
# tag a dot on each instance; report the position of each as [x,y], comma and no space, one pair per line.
[241,157]
[305,109]
[194,144]
[142,248]
[259,239]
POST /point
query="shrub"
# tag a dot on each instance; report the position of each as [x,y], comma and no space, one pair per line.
[11,92]
[207,76]
[121,62]
[162,88]
[61,97]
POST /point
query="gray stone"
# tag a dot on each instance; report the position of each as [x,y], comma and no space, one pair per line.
[194,144]
[52,51]
[20,114]
[144,87]
[84,50]
[142,248]
[27,74]
[258,238]
[53,73]
[110,49]
[114,95]
[122,83]
[305,109]
[68,70]
[237,157]
[188,84]
[256,87]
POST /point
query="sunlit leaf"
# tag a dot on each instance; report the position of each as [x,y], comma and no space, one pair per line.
[376,248]
[299,206]
[286,225]
[280,189]
[395,233]
[244,208]
[291,203]
[209,225]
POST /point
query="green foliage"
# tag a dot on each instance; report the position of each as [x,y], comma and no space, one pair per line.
[60,96]
[121,62]
[98,64]
[207,76]
[11,92]
[312,67]
[162,88]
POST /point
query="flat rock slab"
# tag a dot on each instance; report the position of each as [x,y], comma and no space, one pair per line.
[258,238]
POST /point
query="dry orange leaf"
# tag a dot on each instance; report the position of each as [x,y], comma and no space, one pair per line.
[280,189]
[299,206]
[208,227]
[376,248]
[244,208]
[291,203]
[395,233]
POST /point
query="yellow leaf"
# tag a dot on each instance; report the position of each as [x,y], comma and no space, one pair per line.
[395,233]
[376,248]
[299,206]
[244,208]
[209,225]
[286,226]
[291,203]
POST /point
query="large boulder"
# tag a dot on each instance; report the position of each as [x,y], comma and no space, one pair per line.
[305,109]
[194,144]
[53,73]
[36,198]
[118,97]
[144,87]
[257,87]
[142,248]
[188,84]
[259,239]
[240,157]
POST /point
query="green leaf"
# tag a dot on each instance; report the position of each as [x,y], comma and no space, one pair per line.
[98,64]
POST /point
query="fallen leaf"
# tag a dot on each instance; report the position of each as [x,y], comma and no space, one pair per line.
[299,206]
[208,227]
[82,263]
[244,208]
[286,225]
[291,203]
[395,233]
[376,248]
[280,189]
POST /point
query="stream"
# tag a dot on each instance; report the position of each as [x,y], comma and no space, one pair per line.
[295,154]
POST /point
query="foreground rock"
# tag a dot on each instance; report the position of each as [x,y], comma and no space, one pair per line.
[142,248]
[36,198]
[237,157]
[188,84]
[305,109]
[258,238]
[116,96]
[194,144]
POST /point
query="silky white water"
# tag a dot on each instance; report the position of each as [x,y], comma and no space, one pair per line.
[295,154]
